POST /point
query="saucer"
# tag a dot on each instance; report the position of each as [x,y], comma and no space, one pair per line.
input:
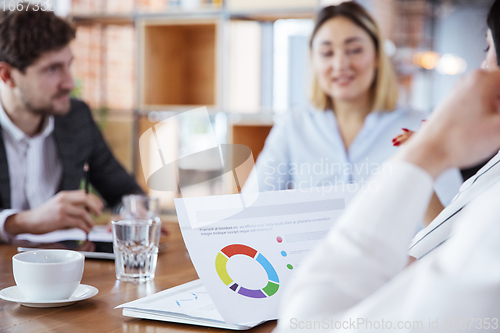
[13,294]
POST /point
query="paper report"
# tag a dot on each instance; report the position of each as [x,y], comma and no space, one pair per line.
[245,247]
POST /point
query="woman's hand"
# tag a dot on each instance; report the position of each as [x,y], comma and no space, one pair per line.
[402,138]
[463,130]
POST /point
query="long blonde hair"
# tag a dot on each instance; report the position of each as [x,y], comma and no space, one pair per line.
[384,91]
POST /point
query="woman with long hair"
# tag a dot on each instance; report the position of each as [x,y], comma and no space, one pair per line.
[344,136]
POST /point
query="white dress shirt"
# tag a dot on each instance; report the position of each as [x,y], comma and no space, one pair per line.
[305,149]
[34,167]
[357,278]
[439,230]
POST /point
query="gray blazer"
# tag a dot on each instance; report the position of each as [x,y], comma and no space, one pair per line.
[78,140]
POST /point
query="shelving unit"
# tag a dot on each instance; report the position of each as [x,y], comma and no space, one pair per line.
[262,5]
[251,132]
[178,63]
[186,59]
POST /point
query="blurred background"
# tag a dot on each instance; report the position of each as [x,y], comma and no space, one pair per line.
[138,62]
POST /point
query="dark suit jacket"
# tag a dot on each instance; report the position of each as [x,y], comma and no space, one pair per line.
[78,140]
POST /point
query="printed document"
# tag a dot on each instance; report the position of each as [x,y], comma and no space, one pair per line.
[187,304]
[246,247]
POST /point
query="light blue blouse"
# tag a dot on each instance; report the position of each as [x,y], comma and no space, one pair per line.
[305,149]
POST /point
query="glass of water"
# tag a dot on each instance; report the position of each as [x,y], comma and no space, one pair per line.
[135,243]
[138,206]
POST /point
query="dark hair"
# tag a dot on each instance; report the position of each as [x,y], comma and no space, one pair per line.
[26,34]
[493,22]
[350,10]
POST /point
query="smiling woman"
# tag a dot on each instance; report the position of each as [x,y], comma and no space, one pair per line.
[348,35]
[345,134]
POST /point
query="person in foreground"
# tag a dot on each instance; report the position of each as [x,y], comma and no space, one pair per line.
[46,137]
[358,277]
[439,230]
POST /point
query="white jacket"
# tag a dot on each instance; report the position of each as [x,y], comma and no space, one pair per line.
[358,280]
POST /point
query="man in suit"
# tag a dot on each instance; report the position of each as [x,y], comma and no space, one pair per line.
[47,137]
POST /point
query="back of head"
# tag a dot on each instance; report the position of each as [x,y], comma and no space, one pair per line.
[26,34]
[385,89]
[493,22]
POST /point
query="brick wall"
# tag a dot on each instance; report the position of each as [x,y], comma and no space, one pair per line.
[120,69]
[152,5]
[410,23]
[82,7]
[104,65]
[119,6]
[88,63]
[385,13]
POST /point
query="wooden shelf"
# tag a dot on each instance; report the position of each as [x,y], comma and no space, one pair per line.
[176,108]
[271,15]
[242,5]
[102,19]
[262,14]
[179,62]
[252,134]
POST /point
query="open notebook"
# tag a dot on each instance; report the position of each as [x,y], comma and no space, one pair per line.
[188,303]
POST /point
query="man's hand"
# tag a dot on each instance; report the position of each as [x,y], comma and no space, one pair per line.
[464,129]
[67,209]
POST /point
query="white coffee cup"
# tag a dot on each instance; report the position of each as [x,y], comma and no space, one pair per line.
[44,275]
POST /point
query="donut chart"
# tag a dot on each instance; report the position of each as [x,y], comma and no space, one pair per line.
[238,249]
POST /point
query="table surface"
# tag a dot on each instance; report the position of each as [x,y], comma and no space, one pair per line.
[97,314]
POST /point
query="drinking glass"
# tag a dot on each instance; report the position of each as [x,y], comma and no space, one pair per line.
[142,207]
[135,244]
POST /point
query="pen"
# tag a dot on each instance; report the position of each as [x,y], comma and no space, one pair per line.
[86,177]
[86,183]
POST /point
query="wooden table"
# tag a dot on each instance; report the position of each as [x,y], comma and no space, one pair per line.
[97,314]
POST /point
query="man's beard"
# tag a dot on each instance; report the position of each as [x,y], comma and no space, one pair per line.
[48,109]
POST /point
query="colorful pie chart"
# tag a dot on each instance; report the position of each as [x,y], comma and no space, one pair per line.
[238,249]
